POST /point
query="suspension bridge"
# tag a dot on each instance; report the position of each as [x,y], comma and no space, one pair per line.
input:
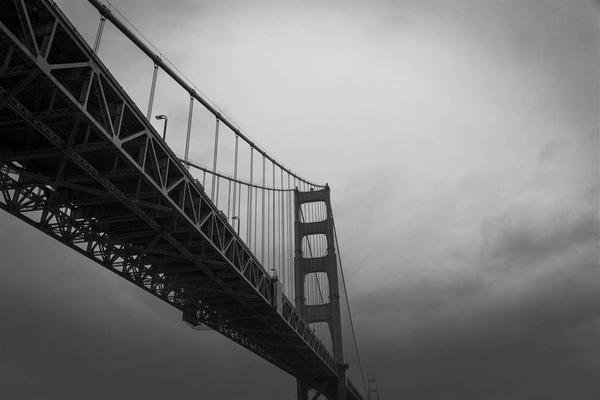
[238,242]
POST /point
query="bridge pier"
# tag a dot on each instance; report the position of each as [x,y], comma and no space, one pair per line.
[301,390]
[341,381]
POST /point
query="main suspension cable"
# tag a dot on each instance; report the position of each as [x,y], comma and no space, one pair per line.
[362,375]
[229,178]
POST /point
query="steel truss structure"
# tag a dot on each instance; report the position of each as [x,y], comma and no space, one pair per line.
[80,162]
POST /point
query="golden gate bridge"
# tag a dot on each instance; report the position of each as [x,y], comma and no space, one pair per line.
[239,242]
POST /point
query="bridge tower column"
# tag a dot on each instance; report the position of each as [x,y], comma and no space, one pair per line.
[373,393]
[304,265]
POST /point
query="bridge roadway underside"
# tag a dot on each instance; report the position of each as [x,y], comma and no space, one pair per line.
[79,161]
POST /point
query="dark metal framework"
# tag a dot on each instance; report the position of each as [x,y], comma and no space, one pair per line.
[80,162]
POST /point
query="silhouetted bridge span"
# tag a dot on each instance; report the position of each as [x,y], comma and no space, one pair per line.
[80,162]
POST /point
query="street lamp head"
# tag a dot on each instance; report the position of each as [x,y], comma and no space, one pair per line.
[163,116]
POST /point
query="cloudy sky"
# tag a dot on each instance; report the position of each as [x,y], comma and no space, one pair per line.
[460,140]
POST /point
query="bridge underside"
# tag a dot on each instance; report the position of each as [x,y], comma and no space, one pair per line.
[79,162]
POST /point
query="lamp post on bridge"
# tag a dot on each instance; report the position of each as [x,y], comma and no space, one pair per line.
[234,219]
[162,116]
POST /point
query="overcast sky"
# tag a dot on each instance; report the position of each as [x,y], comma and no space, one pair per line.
[460,140]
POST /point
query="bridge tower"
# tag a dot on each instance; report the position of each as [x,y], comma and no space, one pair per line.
[373,392]
[304,265]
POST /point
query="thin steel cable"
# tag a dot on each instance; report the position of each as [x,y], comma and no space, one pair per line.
[290,222]
[255,225]
[195,165]
[262,214]
[235,168]
[273,208]
[239,208]
[152,90]
[99,34]
[215,155]
[362,375]
[189,129]
[228,199]
[268,244]
[249,204]
[218,187]
[282,229]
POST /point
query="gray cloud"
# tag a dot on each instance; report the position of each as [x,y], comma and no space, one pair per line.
[519,239]
[522,327]
[537,342]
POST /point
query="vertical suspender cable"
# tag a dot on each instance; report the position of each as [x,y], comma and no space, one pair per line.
[249,203]
[228,199]
[284,237]
[235,165]
[290,239]
[282,232]
[152,89]
[255,220]
[277,208]
[273,205]
[262,214]
[296,211]
[269,231]
[239,207]
[99,34]
[217,196]
[215,154]
[189,131]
